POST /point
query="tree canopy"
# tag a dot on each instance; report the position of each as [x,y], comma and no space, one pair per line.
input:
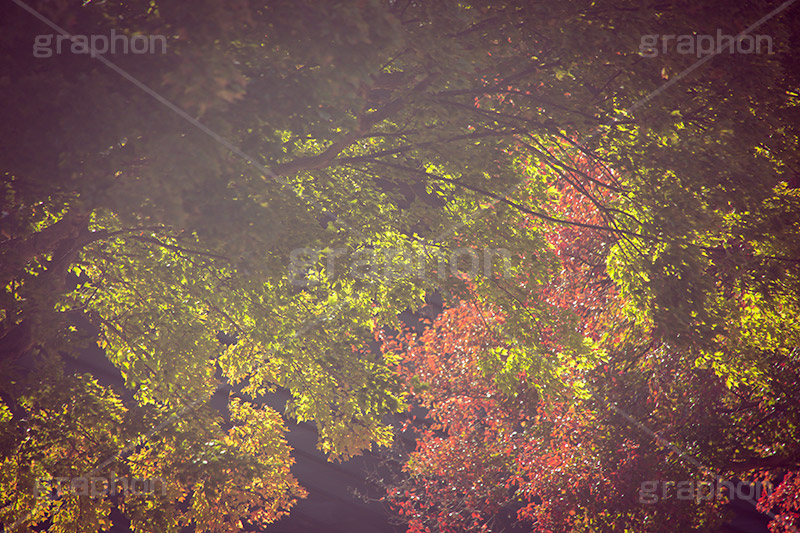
[250,207]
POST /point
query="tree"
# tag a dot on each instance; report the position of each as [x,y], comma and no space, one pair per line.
[644,405]
[364,127]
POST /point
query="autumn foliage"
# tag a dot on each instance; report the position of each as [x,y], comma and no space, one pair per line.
[501,445]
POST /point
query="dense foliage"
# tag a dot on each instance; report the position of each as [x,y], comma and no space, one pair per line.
[646,404]
[242,212]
